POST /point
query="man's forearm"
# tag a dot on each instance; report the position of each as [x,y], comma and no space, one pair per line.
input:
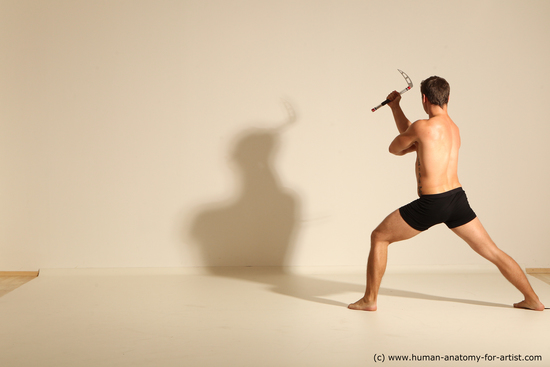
[401,120]
[397,146]
[410,149]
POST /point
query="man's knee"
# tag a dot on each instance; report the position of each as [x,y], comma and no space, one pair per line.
[379,237]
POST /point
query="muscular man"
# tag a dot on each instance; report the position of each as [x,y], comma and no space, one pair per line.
[436,142]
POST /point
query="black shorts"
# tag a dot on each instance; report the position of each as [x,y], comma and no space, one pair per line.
[451,208]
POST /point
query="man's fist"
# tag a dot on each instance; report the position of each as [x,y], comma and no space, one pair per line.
[394,98]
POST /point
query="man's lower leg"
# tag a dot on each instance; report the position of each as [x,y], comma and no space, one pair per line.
[376,267]
[515,275]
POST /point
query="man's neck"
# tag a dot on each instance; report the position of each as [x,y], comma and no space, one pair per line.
[434,110]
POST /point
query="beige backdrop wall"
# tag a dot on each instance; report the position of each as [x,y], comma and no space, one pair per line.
[201,133]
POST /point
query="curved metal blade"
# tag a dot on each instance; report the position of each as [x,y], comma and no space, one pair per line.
[409,81]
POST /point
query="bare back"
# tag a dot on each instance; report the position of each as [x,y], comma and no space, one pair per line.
[438,143]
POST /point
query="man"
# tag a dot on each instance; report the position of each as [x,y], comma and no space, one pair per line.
[436,142]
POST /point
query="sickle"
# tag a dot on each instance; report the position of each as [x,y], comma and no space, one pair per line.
[409,86]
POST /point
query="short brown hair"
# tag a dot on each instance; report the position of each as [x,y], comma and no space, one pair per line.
[436,90]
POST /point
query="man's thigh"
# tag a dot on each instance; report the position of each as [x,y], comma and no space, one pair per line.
[475,235]
[394,229]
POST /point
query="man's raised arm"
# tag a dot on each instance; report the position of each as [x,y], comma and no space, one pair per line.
[401,120]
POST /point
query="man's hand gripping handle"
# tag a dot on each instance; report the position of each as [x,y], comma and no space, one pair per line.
[409,86]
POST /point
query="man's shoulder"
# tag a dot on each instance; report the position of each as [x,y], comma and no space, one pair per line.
[422,122]
[428,128]
[434,128]
[421,125]
[431,123]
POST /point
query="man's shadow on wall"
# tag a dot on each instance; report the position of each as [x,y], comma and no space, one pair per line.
[258,227]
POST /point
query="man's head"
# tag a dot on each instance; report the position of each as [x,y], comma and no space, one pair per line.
[436,90]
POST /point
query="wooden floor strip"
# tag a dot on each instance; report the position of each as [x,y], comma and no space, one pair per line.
[538,270]
[11,280]
[19,273]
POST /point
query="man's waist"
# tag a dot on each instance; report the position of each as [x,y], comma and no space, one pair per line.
[442,193]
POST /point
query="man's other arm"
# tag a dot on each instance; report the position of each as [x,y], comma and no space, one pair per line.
[406,142]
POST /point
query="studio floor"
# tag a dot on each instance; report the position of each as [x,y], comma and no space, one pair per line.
[265,317]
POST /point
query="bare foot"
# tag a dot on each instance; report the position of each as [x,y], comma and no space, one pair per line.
[363,305]
[530,305]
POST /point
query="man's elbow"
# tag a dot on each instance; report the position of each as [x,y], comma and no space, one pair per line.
[394,151]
